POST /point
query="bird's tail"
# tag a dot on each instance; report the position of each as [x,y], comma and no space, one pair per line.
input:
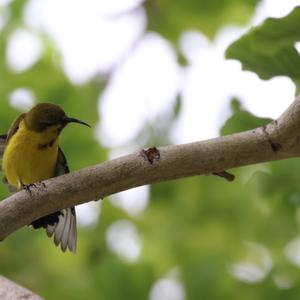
[61,225]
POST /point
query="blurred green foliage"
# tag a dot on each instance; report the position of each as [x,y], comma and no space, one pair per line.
[269,49]
[197,225]
[171,17]
[241,120]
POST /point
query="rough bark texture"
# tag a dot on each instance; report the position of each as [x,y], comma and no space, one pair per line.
[278,140]
[11,291]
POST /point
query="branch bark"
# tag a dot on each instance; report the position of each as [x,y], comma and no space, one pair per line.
[278,140]
[10,290]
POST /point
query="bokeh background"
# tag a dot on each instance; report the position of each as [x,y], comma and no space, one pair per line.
[151,73]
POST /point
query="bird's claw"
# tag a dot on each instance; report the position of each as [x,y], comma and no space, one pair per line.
[28,187]
[37,185]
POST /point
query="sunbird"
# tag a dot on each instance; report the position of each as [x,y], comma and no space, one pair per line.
[32,154]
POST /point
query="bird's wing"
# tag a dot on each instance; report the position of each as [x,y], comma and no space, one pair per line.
[3,138]
[3,141]
[14,127]
[61,164]
[65,229]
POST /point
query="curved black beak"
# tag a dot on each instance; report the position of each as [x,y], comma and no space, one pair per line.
[67,120]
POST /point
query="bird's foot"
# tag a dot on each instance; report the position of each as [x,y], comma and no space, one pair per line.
[28,187]
[37,185]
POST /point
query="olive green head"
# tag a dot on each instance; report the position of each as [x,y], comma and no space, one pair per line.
[45,115]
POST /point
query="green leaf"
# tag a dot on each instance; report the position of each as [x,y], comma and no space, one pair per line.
[269,49]
[171,17]
[241,120]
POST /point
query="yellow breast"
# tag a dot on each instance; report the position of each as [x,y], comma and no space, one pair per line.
[29,157]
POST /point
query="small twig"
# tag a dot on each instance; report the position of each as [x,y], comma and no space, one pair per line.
[225,175]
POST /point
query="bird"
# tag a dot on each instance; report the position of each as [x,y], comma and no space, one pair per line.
[30,154]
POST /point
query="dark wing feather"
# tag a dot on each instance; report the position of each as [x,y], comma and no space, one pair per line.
[3,142]
[65,229]
[2,147]
[14,127]
[3,138]
[61,164]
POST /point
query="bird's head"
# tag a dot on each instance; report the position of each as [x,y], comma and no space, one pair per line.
[48,117]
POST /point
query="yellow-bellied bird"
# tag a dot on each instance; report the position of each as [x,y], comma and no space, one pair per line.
[31,153]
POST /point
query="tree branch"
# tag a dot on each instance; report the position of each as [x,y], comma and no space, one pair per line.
[278,140]
[10,290]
